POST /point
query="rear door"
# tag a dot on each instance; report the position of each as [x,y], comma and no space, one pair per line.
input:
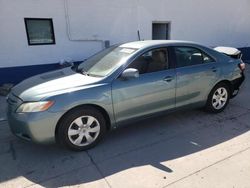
[196,73]
[152,92]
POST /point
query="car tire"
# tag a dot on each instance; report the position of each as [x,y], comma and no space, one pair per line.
[218,98]
[81,129]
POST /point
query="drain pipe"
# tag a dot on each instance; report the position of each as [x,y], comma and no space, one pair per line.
[67,18]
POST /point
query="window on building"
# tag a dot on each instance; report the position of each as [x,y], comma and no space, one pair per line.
[188,56]
[39,31]
[161,31]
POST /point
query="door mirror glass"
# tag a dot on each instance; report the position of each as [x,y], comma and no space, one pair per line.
[130,74]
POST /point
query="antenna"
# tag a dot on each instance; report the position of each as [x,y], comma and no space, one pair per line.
[139,36]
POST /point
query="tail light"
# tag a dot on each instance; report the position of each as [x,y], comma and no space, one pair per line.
[242,66]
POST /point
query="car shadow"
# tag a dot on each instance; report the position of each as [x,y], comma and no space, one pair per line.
[148,142]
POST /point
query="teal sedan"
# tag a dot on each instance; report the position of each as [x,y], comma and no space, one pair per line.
[76,106]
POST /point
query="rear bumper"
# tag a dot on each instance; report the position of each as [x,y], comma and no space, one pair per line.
[236,84]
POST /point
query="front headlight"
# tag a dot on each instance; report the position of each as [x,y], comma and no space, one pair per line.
[34,106]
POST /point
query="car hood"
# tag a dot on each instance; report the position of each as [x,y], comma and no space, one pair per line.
[51,83]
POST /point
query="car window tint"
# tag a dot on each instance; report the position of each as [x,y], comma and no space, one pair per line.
[151,61]
[187,56]
[207,59]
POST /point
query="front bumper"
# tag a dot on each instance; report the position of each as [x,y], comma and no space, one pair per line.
[37,127]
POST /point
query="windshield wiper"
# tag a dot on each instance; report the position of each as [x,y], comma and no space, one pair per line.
[94,75]
[82,71]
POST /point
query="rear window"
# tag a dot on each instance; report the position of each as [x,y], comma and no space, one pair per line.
[235,56]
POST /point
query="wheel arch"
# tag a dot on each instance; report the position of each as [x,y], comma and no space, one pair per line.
[208,106]
[99,108]
[228,83]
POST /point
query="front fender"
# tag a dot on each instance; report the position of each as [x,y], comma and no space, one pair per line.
[99,95]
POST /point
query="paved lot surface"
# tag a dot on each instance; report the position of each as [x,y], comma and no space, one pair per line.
[182,149]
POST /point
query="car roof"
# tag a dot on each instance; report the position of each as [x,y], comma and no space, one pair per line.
[151,43]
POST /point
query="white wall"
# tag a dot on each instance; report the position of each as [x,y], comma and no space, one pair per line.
[14,48]
[211,22]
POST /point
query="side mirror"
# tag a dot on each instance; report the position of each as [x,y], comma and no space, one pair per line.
[130,73]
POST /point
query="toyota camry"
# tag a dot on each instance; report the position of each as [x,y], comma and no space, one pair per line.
[77,105]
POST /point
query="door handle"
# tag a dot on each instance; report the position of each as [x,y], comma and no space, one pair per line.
[168,79]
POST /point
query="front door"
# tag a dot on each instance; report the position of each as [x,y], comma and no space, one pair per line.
[152,92]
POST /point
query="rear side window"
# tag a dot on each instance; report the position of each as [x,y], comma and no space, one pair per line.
[188,56]
[207,59]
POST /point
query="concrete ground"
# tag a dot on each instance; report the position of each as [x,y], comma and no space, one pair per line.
[182,149]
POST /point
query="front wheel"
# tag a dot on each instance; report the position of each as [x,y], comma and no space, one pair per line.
[218,98]
[81,129]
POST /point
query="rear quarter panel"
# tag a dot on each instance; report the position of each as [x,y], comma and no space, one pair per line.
[227,67]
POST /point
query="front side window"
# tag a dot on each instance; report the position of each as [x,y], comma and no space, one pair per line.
[151,61]
[188,56]
[39,31]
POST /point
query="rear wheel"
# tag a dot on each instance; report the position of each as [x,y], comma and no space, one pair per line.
[81,129]
[218,98]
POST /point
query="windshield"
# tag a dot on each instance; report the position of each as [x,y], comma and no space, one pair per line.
[106,61]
